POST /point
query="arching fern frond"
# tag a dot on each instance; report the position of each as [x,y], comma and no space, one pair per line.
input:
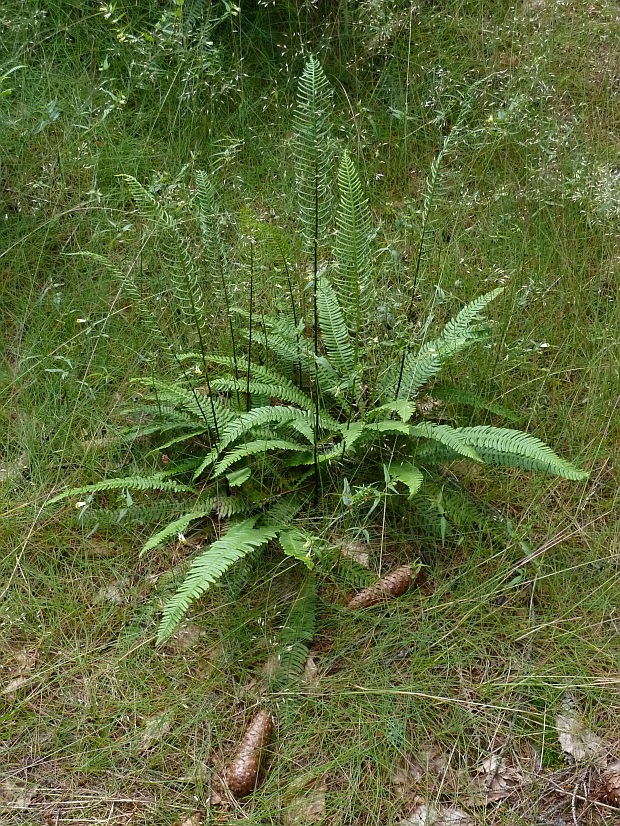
[451,437]
[255,448]
[459,333]
[239,541]
[154,482]
[502,446]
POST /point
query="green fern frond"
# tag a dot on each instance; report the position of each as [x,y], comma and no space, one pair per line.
[459,333]
[502,446]
[136,514]
[255,448]
[138,301]
[296,544]
[298,632]
[154,482]
[189,402]
[313,153]
[239,541]
[183,272]
[454,395]
[173,529]
[408,474]
[352,251]
[284,391]
[334,332]
[451,437]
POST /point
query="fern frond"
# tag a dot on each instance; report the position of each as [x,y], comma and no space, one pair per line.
[313,153]
[139,303]
[255,448]
[183,272]
[454,395]
[451,437]
[298,632]
[334,333]
[239,541]
[352,251]
[459,333]
[502,446]
[284,391]
[173,529]
[154,482]
[408,474]
[296,543]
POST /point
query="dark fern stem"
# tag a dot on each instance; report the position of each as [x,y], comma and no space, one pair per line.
[248,400]
[317,475]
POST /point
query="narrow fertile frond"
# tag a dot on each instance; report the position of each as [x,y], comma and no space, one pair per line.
[352,250]
[334,333]
[139,304]
[183,273]
[313,153]
[502,446]
[239,541]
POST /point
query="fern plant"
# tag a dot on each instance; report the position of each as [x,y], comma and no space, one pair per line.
[298,409]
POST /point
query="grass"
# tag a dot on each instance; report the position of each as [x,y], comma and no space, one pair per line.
[480,659]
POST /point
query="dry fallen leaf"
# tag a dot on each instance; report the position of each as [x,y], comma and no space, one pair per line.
[306,808]
[578,741]
[357,552]
[184,638]
[14,685]
[113,592]
[431,814]
[155,729]
[15,794]
[496,779]
[408,773]
[311,673]
[192,820]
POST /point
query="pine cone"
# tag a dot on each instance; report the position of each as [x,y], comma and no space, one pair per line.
[611,781]
[392,585]
[242,774]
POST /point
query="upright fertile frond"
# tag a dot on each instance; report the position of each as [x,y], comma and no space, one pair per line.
[502,446]
[138,301]
[183,273]
[352,250]
[313,153]
[334,333]
[240,539]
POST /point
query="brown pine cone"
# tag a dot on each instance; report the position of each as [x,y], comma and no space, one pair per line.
[611,781]
[242,774]
[392,585]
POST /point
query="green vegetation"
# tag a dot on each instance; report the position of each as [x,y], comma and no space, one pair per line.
[205,361]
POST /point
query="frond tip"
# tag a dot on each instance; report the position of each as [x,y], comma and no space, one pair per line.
[239,541]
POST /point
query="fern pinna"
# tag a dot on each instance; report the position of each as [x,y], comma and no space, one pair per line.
[249,431]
